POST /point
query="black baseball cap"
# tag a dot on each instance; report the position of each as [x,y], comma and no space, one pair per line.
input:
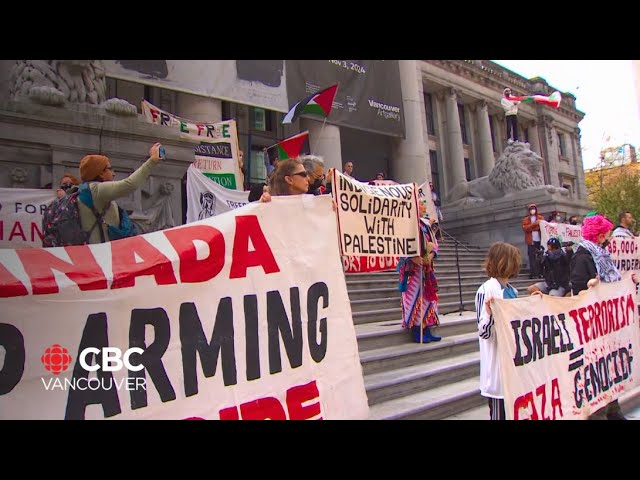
[553,242]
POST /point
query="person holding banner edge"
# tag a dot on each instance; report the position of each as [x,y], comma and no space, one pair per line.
[590,265]
[419,286]
[501,263]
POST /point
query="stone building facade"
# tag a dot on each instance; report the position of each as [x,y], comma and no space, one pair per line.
[454,132]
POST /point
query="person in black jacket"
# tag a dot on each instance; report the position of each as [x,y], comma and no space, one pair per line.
[555,270]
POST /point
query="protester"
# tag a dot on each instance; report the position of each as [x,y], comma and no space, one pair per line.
[573,220]
[419,285]
[555,270]
[590,264]
[625,224]
[437,203]
[554,217]
[511,114]
[67,182]
[532,238]
[289,178]
[347,169]
[97,170]
[314,166]
[501,263]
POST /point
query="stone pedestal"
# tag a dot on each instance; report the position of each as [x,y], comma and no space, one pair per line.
[500,220]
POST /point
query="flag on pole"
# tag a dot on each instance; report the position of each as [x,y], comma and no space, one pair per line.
[289,147]
[552,100]
[317,104]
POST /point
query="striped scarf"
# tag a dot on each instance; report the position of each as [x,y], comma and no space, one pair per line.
[607,270]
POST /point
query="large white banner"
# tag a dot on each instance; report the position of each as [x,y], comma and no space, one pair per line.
[566,357]
[262,83]
[566,233]
[376,221]
[217,155]
[229,317]
[206,198]
[21,212]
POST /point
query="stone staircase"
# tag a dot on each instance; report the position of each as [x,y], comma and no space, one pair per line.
[406,380]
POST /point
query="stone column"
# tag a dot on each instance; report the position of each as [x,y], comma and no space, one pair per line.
[581,188]
[551,162]
[410,160]
[534,138]
[455,160]
[324,141]
[195,107]
[485,147]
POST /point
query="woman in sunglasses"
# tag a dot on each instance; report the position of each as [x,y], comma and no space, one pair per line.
[289,178]
[67,182]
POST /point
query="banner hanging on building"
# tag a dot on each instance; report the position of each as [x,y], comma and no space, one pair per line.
[217,155]
[206,198]
[369,97]
[376,221]
[261,83]
[229,317]
[21,212]
[563,358]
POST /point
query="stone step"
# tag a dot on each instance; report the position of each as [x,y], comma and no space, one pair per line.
[388,333]
[353,282]
[392,291]
[381,303]
[392,384]
[385,314]
[433,404]
[477,413]
[399,356]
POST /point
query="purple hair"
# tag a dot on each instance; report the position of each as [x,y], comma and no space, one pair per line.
[594,226]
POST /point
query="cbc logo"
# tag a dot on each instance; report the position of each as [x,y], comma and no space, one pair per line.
[112,359]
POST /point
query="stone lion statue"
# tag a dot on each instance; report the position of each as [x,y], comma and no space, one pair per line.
[518,168]
[56,82]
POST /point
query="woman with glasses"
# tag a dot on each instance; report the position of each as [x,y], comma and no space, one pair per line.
[98,172]
[289,178]
[67,182]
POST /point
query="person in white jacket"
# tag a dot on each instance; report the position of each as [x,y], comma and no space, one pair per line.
[501,264]
[625,224]
[511,113]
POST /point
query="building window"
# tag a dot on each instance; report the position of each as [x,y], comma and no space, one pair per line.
[257,167]
[493,135]
[435,174]
[561,145]
[259,120]
[463,128]
[428,108]
[467,169]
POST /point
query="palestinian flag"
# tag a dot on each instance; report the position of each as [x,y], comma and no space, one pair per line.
[290,147]
[317,104]
[552,100]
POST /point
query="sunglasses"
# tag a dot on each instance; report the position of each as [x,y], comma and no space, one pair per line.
[300,174]
[66,186]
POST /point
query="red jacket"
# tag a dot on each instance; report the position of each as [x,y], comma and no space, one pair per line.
[529,227]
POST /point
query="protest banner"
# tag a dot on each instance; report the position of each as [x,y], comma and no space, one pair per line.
[564,358]
[378,221]
[232,317]
[206,198]
[566,233]
[217,155]
[364,264]
[21,211]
